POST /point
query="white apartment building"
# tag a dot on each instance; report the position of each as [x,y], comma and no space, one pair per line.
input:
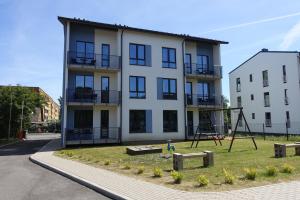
[267,86]
[124,84]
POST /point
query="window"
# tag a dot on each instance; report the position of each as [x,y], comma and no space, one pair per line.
[267,99]
[83,119]
[169,88]
[137,54]
[288,121]
[265,78]
[252,97]
[253,115]
[238,84]
[284,73]
[188,63]
[168,57]
[286,100]
[189,93]
[105,55]
[84,49]
[137,121]
[250,78]
[202,63]
[203,91]
[137,87]
[170,123]
[84,81]
[268,121]
[239,101]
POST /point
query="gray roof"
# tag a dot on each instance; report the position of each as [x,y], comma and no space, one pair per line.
[118,26]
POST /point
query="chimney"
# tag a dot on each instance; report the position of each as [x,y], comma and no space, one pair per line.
[264,50]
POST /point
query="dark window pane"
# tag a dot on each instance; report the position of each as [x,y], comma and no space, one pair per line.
[172,55]
[141,84]
[132,51]
[89,81]
[80,49]
[164,54]
[170,122]
[172,86]
[141,52]
[137,121]
[132,83]
[165,85]
[79,81]
[89,50]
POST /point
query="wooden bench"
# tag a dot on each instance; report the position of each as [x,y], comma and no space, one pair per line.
[208,159]
[280,149]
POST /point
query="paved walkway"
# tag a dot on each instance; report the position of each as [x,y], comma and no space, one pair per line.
[130,188]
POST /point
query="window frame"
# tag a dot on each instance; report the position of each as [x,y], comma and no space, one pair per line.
[134,122]
[238,85]
[137,59]
[203,69]
[84,82]
[85,52]
[268,124]
[170,128]
[168,62]
[169,95]
[137,87]
[251,78]
[267,94]
[102,55]
[284,73]
[265,82]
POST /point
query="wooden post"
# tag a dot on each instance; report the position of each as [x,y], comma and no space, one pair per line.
[208,160]
[177,161]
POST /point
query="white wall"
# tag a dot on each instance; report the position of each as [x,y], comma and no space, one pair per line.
[273,63]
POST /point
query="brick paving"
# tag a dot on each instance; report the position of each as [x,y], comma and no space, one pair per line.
[131,188]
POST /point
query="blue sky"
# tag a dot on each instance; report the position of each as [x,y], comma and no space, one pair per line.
[31,38]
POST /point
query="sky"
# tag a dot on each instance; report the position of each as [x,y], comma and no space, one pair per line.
[31,37]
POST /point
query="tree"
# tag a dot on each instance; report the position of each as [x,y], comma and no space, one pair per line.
[15,95]
[227,113]
[61,104]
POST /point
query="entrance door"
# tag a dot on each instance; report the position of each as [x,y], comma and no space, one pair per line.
[190,123]
[104,124]
[104,89]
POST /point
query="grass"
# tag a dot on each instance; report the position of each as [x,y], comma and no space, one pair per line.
[243,155]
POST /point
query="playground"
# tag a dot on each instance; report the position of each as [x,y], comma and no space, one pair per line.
[242,155]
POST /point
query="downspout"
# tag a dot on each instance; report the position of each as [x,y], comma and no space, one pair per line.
[121,111]
[184,97]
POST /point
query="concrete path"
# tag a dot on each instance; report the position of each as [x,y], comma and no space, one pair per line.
[21,179]
[123,187]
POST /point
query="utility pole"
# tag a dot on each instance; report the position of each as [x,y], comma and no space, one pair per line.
[9,122]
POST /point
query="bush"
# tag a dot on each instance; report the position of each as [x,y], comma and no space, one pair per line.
[229,178]
[271,171]
[177,176]
[69,153]
[107,162]
[286,168]
[140,169]
[127,166]
[250,173]
[202,180]
[157,172]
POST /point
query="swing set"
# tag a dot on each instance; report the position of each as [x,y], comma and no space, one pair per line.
[216,136]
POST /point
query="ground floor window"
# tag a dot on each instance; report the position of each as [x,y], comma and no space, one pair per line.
[83,119]
[170,122]
[268,119]
[137,121]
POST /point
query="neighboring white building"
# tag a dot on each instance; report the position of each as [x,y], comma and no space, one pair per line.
[128,84]
[267,86]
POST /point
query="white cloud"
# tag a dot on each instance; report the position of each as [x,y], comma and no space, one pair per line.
[253,23]
[291,36]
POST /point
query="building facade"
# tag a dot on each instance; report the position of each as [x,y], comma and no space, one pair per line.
[267,86]
[124,84]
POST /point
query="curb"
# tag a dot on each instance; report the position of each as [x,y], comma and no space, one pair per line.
[106,192]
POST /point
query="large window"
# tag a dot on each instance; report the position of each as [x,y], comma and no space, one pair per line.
[203,90]
[137,87]
[238,84]
[170,121]
[105,55]
[265,78]
[239,101]
[168,57]
[137,121]
[169,88]
[202,63]
[286,99]
[137,55]
[268,120]
[83,119]
[267,99]
[84,81]
[84,50]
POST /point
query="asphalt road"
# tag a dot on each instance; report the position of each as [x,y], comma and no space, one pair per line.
[20,179]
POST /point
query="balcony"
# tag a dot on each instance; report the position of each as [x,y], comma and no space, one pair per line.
[197,70]
[90,96]
[93,61]
[93,135]
[202,101]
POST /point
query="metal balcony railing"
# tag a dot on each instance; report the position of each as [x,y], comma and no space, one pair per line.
[94,135]
[88,95]
[202,100]
[203,70]
[99,61]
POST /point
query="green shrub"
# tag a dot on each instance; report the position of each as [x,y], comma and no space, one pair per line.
[140,169]
[69,153]
[202,180]
[157,172]
[286,168]
[107,162]
[250,173]
[177,176]
[228,178]
[271,171]
[127,166]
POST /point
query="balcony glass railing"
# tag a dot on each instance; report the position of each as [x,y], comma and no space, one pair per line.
[202,100]
[204,70]
[99,61]
[88,95]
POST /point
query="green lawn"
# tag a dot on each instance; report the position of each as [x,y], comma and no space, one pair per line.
[243,155]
